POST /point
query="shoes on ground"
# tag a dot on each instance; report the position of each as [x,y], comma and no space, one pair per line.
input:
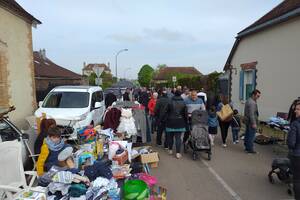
[178,155]
[170,152]
[224,145]
[237,141]
[251,152]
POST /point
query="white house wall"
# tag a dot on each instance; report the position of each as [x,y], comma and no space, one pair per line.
[277,52]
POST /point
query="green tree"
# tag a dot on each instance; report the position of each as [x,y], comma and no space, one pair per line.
[107,80]
[145,75]
[212,81]
[92,78]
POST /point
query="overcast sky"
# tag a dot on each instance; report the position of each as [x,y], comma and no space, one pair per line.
[173,32]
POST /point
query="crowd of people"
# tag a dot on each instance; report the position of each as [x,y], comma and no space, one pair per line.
[170,111]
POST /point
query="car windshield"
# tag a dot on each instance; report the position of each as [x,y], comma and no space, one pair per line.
[67,100]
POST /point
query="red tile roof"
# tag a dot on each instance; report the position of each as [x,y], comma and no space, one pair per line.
[166,71]
[92,65]
[16,9]
[45,68]
[283,8]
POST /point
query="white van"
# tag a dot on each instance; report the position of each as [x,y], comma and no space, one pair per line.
[73,107]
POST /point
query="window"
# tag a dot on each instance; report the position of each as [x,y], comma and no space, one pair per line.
[97,97]
[67,100]
[247,83]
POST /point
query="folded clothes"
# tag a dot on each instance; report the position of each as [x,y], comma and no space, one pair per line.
[77,190]
[63,177]
[98,169]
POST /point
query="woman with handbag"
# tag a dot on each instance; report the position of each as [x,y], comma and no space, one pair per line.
[224,122]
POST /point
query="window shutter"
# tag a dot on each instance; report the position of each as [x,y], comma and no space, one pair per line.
[254,79]
[242,85]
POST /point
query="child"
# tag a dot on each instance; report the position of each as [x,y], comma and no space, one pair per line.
[212,124]
[235,126]
[53,144]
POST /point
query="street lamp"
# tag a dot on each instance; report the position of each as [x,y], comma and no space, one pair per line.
[127,69]
[117,60]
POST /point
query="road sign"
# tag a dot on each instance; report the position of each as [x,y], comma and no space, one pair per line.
[174,79]
[98,70]
[98,81]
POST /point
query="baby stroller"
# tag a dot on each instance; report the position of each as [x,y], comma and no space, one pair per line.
[282,168]
[199,138]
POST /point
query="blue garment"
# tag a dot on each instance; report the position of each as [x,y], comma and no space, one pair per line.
[249,138]
[235,135]
[52,158]
[293,139]
[193,105]
[212,120]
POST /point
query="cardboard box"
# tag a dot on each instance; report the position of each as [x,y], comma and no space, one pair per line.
[149,158]
[154,165]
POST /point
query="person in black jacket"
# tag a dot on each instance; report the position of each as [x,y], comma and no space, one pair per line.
[126,95]
[144,98]
[293,141]
[176,122]
[160,114]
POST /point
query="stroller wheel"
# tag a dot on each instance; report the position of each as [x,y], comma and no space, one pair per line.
[271,179]
[194,156]
[270,176]
[209,156]
[290,192]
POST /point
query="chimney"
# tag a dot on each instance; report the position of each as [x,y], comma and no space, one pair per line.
[84,64]
[108,65]
[42,54]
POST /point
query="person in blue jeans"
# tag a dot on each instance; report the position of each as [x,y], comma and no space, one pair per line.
[251,121]
[235,126]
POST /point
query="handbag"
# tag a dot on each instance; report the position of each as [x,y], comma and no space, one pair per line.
[226,113]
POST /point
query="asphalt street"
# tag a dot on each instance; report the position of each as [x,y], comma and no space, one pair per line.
[231,174]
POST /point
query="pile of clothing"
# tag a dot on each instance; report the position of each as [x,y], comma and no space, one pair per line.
[278,122]
[94,182]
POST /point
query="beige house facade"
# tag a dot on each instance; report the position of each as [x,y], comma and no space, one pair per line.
[17,85]
[266,56]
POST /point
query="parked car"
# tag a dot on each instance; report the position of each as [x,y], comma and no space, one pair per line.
[73,107]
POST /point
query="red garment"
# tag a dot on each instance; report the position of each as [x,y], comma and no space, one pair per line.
[151,106]
[112,119]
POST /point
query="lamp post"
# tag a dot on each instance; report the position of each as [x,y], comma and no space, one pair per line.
[122,50]
[126,70]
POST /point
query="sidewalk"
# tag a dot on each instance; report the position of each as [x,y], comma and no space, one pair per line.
[231,174]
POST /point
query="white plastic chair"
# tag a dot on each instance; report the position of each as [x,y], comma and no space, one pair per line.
[12,176]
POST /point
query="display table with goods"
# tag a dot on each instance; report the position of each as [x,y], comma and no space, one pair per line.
[103,165]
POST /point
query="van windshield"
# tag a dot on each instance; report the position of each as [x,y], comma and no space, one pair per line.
[67,100]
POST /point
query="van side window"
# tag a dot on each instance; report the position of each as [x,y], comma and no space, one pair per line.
[97,97]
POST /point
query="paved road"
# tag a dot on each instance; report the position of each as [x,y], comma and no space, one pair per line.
[231,174]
